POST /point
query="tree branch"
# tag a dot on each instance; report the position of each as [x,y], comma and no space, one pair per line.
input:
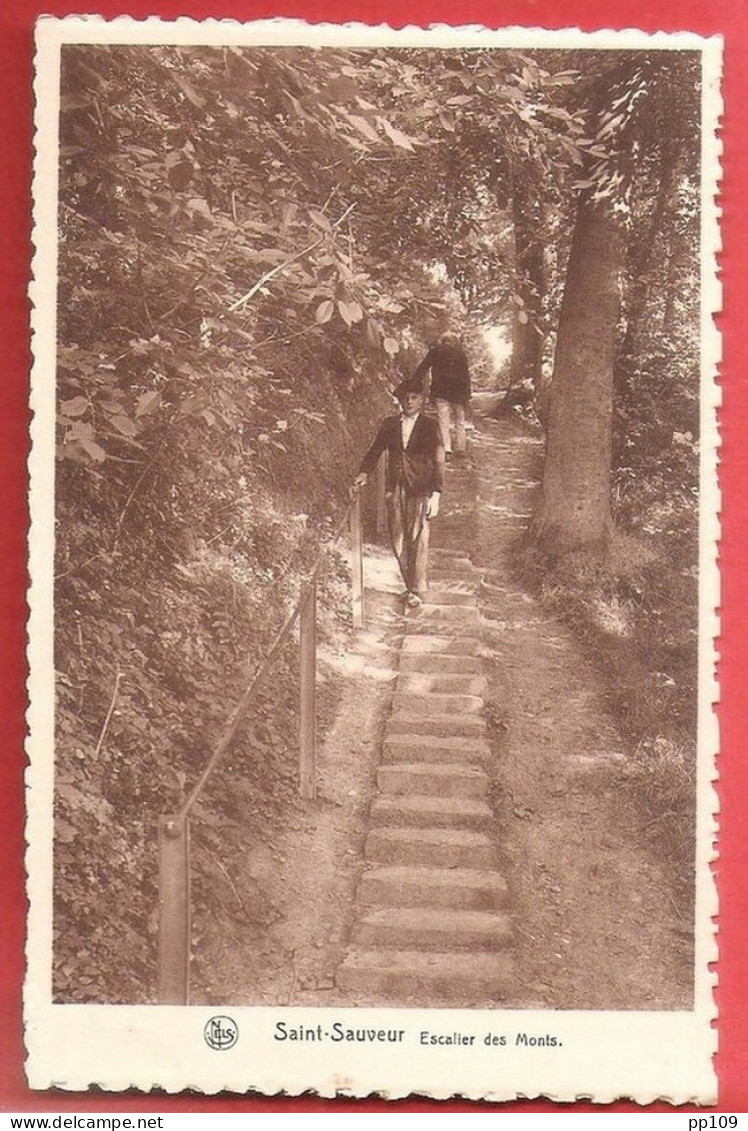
[281,266]
[109,714]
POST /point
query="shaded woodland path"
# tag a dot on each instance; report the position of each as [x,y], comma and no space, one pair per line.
[594,919]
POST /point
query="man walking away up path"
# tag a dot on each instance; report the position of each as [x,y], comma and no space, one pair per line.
[415,477]
[450,389]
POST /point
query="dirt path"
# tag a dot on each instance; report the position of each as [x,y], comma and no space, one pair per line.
[595,921]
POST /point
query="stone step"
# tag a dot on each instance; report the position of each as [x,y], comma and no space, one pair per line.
[433,779]
[403,886]
[437,928]
[443,554]
[438,703]
[459,644]
[460,571]
[425,722]
[455,581]
[442,812]
[433,615]
[427,976]
[441,595]
[450,683]
[430,847]
[432,748]
[444,663]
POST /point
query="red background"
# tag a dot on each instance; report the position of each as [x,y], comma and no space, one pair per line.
[707,17]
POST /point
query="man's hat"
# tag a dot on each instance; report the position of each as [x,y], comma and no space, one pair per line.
[409,385]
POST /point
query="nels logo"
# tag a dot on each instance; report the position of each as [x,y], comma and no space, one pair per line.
[221,1033]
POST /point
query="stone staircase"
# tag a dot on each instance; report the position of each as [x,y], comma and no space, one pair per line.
[430,924]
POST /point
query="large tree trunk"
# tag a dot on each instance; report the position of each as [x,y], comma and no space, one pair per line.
[574,511]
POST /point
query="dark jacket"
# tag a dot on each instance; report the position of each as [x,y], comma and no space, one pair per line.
[420,466]
[450,377]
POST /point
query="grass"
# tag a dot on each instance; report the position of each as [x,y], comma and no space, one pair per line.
[636,615]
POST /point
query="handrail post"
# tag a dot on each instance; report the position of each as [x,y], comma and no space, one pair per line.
[357,562]
[308,693]
[174,909]
[381,494]
[174,932]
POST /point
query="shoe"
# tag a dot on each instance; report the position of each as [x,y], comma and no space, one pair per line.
[414,601]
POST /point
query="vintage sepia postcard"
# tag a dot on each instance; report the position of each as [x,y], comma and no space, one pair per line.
[373,561]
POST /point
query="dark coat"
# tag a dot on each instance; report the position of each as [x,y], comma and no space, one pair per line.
[450,377]
[420,466]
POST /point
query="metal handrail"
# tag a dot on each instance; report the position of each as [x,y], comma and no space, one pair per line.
[174,868]
[280,640]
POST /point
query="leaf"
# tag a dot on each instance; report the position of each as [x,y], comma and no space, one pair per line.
[320,220]
[324,311]
[148,402]
[76,406]
[363,127]
[97,454]
[81,430]
[566,78]
[298,108]
[350,312]
[396,136]
[391,346]
[344,270]
[124,425]
[198,204]
[72,451]
[360,124]
[272,255]
[64,831]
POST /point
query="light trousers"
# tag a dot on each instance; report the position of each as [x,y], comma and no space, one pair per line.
[409,534]
[451,417]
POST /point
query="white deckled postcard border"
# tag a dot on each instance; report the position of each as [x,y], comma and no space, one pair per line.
[601,1055]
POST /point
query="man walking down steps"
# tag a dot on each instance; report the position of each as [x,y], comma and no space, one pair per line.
[430,926]
[415,479]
